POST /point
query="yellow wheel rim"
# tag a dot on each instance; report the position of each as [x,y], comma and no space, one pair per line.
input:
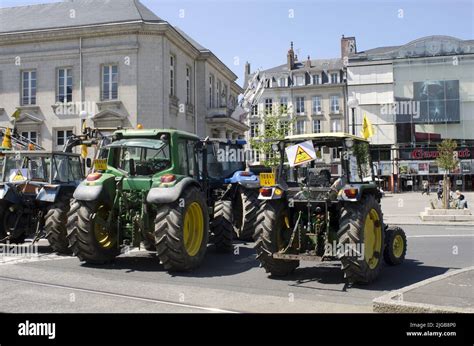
[398,246]
[193,229]
[102,233]
[372,239]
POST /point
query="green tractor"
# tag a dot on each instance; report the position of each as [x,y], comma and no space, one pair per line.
[310,214]
[150,187]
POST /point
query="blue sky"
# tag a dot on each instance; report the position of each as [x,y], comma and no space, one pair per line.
[260,31]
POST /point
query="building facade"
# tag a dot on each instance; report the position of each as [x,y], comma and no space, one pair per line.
[311,93]
[415,96]
[114,63]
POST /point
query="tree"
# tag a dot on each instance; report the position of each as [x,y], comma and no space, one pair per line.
[276,125]
[362,153]
[448,160]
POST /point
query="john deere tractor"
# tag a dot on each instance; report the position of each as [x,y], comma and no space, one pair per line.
[322,204]
[234,192]
[148,186]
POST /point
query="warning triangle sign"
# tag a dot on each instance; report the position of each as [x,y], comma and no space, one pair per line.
[19,176]
[301,156]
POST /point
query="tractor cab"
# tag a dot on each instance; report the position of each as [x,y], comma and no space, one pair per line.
[321,166]
[31,171]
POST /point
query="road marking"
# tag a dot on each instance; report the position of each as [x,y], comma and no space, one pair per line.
[440,235]
[459,229]
[118,295]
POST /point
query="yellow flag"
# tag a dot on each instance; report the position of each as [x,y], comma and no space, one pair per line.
[7,139]
[84,151]
[16,115]
[84,147]
[367,129]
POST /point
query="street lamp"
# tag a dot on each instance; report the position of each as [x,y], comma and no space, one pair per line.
[353,103]
[394,151]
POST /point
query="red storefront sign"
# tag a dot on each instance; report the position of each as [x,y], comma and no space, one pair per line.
[422,154]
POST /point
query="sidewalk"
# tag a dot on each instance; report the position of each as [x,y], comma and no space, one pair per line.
[405,208]
[452,292]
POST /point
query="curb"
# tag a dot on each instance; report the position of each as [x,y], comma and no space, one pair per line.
[392,221]
[431,223]
[393,301]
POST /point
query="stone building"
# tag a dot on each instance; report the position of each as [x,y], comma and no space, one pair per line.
[415,95]
[114,62]
[312,91]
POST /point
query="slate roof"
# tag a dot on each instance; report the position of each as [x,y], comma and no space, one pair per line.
[316,64]
[190,39]
[86,12]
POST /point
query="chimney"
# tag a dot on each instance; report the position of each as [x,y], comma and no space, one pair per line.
[308,62]
[246,74]
[291,57]
[348,46]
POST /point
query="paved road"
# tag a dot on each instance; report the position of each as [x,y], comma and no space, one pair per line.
[137,283]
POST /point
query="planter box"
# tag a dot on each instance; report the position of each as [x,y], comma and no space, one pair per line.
[454,215]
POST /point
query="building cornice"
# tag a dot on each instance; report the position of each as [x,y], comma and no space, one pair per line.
[101,30]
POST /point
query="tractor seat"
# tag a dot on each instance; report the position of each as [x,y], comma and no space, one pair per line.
[27,188]
[215,170]
[143,170]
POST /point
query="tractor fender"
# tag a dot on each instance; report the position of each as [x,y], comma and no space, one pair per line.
[3,191]
[169,194]
[89,193]
[49,193]
[250,184]
[239,178]
[9,194]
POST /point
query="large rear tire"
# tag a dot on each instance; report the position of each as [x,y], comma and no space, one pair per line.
[247,203]
[55,227]
[93,240]
[361,223]
[182,231]
[270,237]
[222,227]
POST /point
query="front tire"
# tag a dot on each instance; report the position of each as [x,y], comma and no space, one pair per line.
[92,238]
[395,245]
[361,223]
[272,225]
[55,226]
[182,231]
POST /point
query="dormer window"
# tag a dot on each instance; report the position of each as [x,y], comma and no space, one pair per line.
[334,78]
[282,82]
[300,80]
[316,79]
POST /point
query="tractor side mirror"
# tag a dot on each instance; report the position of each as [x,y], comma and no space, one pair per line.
[88,162]
[131,164]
